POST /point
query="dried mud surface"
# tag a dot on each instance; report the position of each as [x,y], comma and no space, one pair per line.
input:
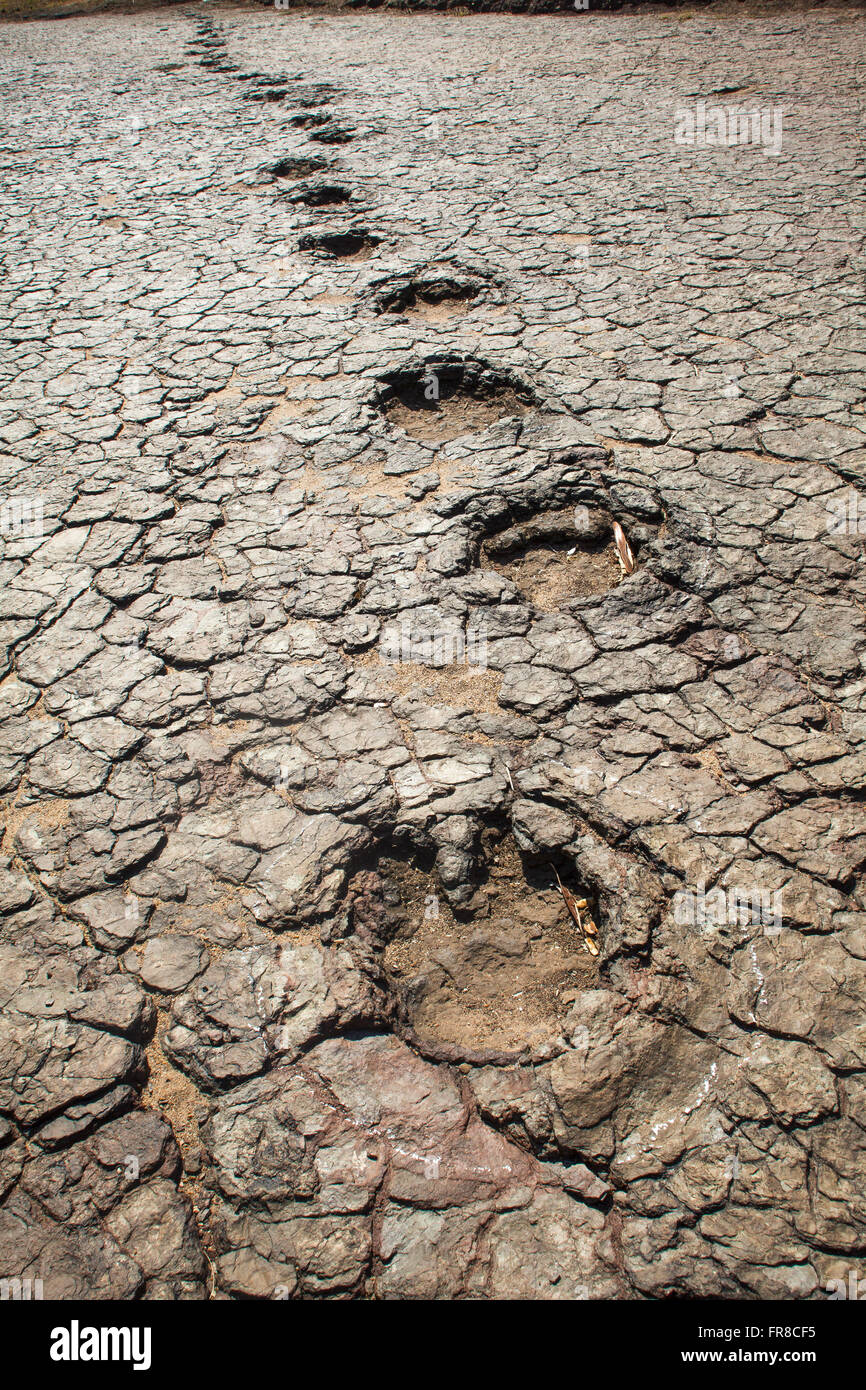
[316,686]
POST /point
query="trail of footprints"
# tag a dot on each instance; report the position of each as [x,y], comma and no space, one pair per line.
[311,182]
[209,50]
[470,395]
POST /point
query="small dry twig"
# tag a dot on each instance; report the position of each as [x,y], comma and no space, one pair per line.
[623,550]
[569,900]
[587,929]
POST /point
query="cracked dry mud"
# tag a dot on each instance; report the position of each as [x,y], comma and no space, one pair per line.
[291,1002]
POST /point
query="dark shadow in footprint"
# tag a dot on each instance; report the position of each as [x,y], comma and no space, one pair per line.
[315,93]
[266,94]
[430,296]
[322,196]
[309,120]
[355,244]
[293,167]
[551,564]
[334,135]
